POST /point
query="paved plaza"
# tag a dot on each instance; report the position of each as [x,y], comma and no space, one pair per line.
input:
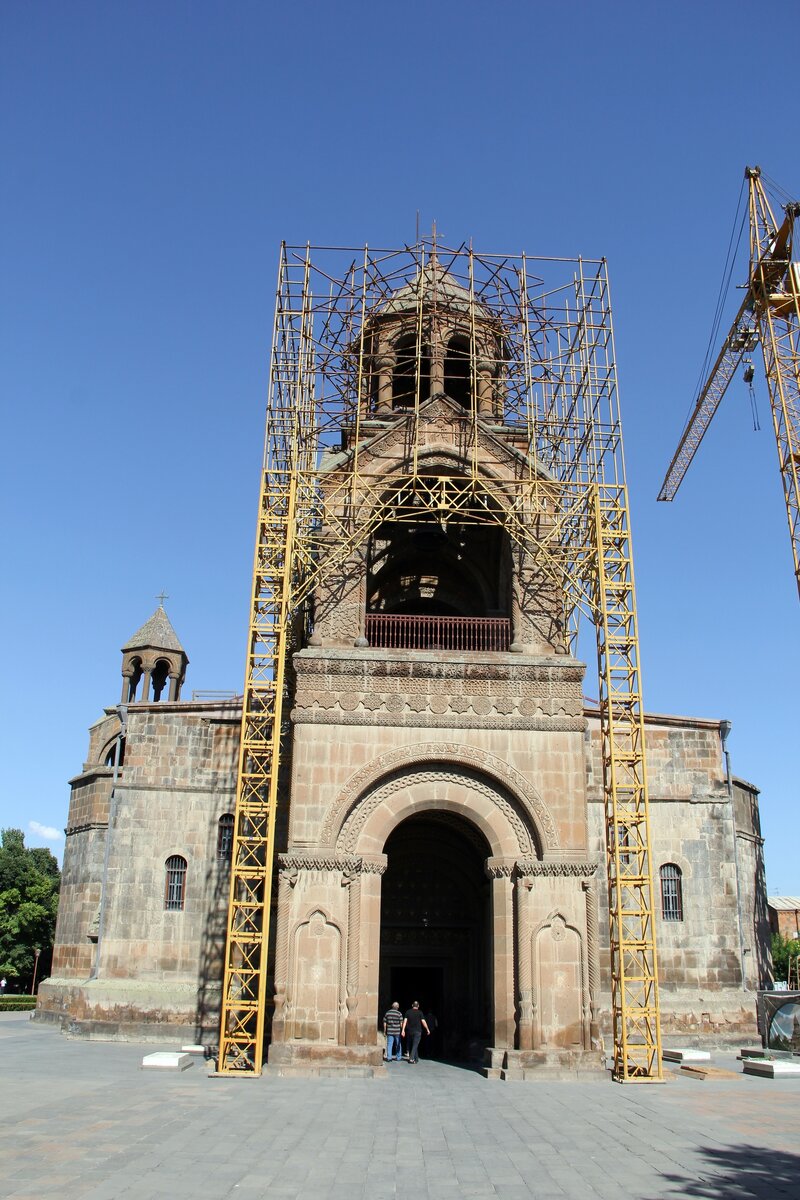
[81,1119]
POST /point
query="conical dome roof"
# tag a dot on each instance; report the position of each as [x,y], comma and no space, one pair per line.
[156,633]
[439,287]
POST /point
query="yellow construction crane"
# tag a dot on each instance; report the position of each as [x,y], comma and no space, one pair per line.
[769,314]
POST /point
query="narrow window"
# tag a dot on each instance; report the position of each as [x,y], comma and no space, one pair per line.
[175,888]
[671,892]
[225,836]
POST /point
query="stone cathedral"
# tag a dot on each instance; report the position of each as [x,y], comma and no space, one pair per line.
[440,832]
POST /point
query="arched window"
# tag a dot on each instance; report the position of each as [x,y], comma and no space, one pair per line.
[175,886]
[111,753]
[225,836]
[671,892]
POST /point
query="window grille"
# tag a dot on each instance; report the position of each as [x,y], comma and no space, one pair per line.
[225,836]
[175,889]
[671,892]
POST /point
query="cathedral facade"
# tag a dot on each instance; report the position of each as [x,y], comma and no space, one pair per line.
[440,827]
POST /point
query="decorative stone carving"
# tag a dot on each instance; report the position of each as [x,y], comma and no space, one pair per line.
[449,754]
[583,870]
[348,837]
[330,712]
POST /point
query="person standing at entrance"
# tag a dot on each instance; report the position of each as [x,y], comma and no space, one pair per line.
[392,1026]
[414,1022]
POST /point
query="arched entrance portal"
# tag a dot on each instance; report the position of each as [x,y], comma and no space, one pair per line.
[436,930]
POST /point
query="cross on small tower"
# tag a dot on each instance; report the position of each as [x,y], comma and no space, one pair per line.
[162,597]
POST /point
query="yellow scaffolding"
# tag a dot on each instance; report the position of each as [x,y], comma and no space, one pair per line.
[567,504]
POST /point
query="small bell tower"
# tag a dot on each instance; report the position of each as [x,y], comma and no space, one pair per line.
[153,662]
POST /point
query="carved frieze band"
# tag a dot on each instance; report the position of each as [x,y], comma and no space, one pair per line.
[498,868]
[348,864]
[580,870]
[433,720]
[559,676]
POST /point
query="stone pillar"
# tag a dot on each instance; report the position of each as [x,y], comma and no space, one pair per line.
[385,363]
[146,673]
[361,557]
[127,676]
[437,352]
[174,687]
[484,369]
[369,948]
[504,1032]
[527,1005]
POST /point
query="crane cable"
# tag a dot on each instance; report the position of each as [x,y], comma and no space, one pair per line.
[734,242]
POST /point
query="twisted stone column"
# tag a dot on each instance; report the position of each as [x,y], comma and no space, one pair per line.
[592,965]
[351,879]
[526,1005]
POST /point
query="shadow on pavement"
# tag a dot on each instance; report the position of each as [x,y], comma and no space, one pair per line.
[740,1173]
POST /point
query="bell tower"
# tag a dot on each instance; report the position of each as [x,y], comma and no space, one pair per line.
[153,662]
[443,497]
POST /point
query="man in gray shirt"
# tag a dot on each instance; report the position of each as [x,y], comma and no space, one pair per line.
[392,1026]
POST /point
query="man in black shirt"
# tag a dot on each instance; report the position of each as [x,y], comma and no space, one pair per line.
[414,1022]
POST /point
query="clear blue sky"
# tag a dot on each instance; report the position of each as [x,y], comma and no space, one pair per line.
[154,155]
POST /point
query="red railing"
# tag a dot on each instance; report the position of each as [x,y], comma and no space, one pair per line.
[401,632]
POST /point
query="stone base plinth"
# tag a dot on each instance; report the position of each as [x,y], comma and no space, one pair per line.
[121,1009]
[547,1064]
[305,1059]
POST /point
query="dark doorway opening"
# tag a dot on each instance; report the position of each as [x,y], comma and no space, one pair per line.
[436,944]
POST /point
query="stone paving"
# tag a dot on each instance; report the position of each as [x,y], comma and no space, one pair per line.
[81,1119]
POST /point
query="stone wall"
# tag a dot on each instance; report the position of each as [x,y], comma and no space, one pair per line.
[691,825]
[152,967]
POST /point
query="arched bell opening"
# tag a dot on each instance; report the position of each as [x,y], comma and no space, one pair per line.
[160,677]
[458,371]
[436,586]
[404,378]
[436,932]
[134,679]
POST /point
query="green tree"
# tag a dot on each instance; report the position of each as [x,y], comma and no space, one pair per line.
[782,949]
[29,882]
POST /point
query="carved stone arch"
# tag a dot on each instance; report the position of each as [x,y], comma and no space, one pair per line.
[523,796]
[413,792]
